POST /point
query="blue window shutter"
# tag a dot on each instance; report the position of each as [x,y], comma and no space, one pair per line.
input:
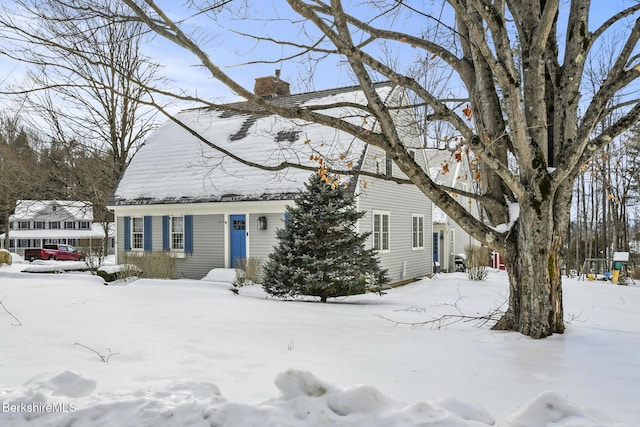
[147,233]
[127,233]
[188,234]
[287,218]
[166,232]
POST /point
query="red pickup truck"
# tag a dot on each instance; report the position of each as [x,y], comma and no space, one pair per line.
[57,252]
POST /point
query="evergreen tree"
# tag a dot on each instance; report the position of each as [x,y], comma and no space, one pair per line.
[319,253]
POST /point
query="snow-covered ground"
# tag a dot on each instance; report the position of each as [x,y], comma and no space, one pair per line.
[191,353]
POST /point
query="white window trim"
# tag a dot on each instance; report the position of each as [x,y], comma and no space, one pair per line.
[382,214]
[413,231]
[133,233]
[173,249]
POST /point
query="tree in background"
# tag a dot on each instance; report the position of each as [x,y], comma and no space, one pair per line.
[20,177]
[85,91]
[319,252]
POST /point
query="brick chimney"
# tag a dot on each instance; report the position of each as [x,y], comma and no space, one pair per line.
[271,86]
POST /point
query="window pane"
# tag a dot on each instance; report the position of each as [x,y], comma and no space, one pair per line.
[385,232]
[137,225]
[376,232]
[415,232]
[177,224]
[177,241]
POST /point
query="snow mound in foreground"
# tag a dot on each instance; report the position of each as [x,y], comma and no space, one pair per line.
[221,275]
[67,384]
[68,399]
[551,409]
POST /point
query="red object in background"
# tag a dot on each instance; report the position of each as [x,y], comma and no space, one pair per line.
[497,261]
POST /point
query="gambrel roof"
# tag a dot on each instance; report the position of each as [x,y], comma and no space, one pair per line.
[174,166]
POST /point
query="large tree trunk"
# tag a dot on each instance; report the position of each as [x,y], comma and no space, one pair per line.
[534,270]
[535,291]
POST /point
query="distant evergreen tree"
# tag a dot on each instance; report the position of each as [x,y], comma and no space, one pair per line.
[319,253]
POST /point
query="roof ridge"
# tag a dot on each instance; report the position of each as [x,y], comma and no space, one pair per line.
[295,98]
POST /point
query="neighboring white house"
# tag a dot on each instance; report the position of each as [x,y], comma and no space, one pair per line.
[39,222]
[181,195]
[449,239]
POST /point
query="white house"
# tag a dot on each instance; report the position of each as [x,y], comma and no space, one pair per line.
[39,222]
[185,193]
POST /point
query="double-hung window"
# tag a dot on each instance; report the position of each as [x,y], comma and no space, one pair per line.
[418,231]
[177,233]
[137,233]
[381,226]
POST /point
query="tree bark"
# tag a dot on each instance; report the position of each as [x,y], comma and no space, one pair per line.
[535,280]
[534,261]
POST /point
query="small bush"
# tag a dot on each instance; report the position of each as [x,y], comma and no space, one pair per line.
[248,271]
[123,272]
[94,257]
[154,265]
[477,262]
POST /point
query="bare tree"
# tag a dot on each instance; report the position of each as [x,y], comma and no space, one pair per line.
[85,88]
[521,71]
[87,76]
[17,160]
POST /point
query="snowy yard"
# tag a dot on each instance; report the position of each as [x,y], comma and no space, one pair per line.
[191,353]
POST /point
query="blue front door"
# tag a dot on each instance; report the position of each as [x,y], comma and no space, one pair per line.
[436,248]
[238,236]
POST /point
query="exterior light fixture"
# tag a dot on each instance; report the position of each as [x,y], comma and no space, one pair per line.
[262,223]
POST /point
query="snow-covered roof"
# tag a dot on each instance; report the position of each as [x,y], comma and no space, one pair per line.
[435,161]
[95,232]
[62,209]
[438,216]
[174,166]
